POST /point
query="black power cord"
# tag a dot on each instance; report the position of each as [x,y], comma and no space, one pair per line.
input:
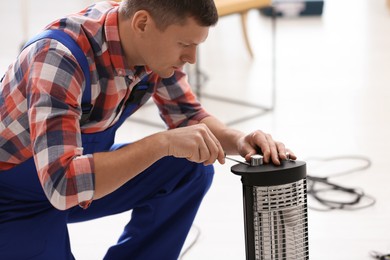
[355,196]
[379,256]
[319,188]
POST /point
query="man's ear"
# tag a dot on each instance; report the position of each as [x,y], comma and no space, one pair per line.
[141,20]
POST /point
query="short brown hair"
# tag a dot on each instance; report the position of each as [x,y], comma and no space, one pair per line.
[168,12]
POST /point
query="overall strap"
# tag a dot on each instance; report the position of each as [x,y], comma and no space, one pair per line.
[72,45]
[139,91]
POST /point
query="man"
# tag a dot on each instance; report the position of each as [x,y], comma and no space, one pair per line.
[53,159]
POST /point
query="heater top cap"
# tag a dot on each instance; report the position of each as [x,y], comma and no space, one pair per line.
[270,174]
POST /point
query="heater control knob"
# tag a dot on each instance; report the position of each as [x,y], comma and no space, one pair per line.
[256,160]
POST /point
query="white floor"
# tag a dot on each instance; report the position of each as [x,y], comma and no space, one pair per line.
[332,99]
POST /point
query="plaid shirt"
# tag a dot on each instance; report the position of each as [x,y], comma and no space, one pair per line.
[40,102]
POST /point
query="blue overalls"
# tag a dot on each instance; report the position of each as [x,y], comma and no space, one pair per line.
[164,199]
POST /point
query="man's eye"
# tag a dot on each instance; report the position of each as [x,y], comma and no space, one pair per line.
[184,44]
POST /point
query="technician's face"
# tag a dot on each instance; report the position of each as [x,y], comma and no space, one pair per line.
[172,48]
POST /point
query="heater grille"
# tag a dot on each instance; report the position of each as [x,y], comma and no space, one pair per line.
[280,221]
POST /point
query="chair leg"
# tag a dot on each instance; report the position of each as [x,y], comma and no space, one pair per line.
[244,17]
[25,16]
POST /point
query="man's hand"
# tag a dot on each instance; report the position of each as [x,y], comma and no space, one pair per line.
[196,143]
[260,142]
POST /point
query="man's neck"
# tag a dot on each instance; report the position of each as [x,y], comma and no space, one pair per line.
[129,42]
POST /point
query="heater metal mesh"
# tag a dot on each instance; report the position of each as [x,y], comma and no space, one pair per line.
[280,222]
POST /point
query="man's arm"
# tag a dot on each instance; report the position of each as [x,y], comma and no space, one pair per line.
[114,168]
[202,143]
[195,143]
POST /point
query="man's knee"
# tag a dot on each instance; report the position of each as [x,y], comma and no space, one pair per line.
[181,173]
[207,174]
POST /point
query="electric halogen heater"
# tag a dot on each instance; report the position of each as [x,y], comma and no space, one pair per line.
[275,209]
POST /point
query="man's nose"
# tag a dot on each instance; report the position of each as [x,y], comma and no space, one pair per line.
[190,55]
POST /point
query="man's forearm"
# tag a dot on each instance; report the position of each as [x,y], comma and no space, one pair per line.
[113,169]
[227,136]
[195,143]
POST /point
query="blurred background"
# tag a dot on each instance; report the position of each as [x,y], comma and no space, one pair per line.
[320,84]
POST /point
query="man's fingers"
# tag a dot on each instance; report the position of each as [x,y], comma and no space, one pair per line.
[205,147]
[270,149]
[215,149]
[274,155]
